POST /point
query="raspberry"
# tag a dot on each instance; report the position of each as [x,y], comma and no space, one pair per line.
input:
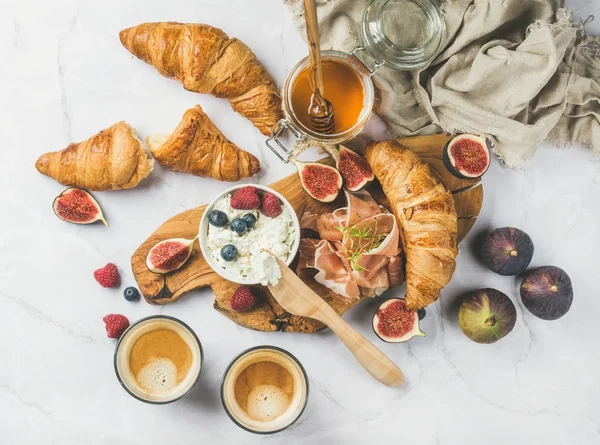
[271,205]
[108,276]
[245,198]
[242,299]
[115,325]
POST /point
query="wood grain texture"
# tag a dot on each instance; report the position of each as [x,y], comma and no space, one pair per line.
[269,315]
[297,298]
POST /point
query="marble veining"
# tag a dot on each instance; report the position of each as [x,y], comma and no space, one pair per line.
[65,76]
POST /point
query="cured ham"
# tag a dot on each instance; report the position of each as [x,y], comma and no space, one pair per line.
[357,252]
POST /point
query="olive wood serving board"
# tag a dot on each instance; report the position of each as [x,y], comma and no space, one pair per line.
[269,315]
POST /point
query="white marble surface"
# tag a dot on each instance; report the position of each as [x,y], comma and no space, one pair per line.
[65,75]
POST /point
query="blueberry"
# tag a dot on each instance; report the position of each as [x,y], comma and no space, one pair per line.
[250,220]
[421,313]
[131,294]
[217,218]
[229,252]
[239,226]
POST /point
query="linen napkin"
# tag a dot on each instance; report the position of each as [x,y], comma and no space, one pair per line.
[517,71]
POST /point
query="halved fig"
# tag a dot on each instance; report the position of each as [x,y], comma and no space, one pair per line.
[487,315]
[394,323]
[77,206]
[507,251]
[547,292]
[320,181]
[169,255]
[467,156]
[355,170]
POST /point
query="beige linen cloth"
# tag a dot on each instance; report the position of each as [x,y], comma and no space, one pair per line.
[518,71]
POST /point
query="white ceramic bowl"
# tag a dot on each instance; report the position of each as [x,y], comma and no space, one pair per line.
[203,234]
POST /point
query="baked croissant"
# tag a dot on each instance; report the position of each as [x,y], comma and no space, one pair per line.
[427,217]
[111,160]
[198,147]
[207,61]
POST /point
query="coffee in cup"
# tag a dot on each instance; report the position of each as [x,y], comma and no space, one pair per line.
[264,390]
[158,359]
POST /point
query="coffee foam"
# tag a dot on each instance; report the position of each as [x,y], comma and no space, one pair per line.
[158,380]
[266,407]
[158,377]
[267,402]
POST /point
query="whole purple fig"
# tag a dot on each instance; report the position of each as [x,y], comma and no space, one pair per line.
[507,251]
[547,292]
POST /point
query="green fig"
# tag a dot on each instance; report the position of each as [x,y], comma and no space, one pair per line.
[487,315]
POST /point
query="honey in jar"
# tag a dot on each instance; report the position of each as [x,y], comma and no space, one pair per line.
[343,89]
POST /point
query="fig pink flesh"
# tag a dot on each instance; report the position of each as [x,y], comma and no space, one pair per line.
[77,206]
[355,169]
[320,181]
[169,255]
[395,320]
[469,156]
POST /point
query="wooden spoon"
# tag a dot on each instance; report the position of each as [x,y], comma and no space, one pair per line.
[299,299]
[320,109]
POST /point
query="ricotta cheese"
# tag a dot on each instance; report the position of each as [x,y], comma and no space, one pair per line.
[275,235]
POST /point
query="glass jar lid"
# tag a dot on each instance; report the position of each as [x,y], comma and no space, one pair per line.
[403,34]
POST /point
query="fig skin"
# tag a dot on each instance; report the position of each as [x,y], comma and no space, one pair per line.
[487,316]
[547,292]
[507,251]
[392,322]
[482,152]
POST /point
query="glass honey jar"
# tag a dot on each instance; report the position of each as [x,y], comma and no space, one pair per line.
[400,34]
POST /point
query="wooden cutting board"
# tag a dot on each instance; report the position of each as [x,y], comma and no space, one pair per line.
[268,315]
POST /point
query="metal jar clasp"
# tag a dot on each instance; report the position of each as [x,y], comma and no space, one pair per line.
[376,64]
[279,128]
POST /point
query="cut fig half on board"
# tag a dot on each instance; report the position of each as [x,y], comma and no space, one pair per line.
[467,156]
[394,323]
[355,170]
[77,206]
[169,255]
[320,181]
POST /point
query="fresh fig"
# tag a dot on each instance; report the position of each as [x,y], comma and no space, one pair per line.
[169,255]
[320,181]
[77,206]
[547,292]
[507,251]
[355,170]
[394,323]
[467,156]
[487,315]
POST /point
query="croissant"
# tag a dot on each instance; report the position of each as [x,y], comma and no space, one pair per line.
[197,146]
[207,61]
[110,160]
[427,217]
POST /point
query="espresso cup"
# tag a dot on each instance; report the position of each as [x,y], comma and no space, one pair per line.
[264,390]
[158,359]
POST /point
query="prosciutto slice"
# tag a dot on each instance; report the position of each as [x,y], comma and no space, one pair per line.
[358,252]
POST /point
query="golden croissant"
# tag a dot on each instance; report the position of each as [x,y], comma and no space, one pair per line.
[110,160]
[197,146]
[427,217]
[207,61]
